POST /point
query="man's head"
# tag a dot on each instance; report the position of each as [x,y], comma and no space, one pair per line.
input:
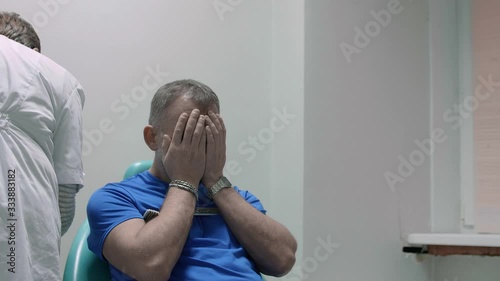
[171,100]
[19,30]
[193,91]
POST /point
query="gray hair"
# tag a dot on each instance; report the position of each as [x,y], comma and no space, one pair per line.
[198,92]
[19,30]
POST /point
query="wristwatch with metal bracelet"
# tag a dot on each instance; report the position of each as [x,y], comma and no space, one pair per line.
[223,182]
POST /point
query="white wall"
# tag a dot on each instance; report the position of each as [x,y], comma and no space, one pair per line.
[287,171]
[444,86]
[359,117]
[465,269]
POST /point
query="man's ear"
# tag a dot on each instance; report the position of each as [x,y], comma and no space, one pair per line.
[151,138]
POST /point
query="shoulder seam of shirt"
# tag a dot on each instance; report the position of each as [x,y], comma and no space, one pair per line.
[36,69]
[134,200]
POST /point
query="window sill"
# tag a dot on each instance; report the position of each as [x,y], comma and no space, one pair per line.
[455,239]
[450,244]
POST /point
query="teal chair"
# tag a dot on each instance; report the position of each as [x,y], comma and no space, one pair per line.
[82,264]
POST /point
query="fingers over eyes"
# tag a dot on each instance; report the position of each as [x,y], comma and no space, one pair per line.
[199,131]
[210,136]
[223,127]
[212,126]
[203,141]
[215,120]
[191,126]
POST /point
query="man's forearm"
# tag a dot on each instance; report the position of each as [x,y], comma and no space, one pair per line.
[156,246]
[268,242]
[173,223]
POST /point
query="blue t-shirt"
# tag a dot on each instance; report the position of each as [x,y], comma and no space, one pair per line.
[211,251]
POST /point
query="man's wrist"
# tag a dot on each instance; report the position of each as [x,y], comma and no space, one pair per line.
[222,183]
[194,183]
[184,185]
[209,182]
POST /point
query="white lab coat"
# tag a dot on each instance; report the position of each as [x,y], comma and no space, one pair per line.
[40,148]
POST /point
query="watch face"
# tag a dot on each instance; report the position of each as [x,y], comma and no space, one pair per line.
[222,183]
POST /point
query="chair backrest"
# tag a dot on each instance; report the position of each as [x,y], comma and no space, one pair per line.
[136,168]
[82,264]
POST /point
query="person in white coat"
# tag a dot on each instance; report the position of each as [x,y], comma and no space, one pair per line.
[40,154]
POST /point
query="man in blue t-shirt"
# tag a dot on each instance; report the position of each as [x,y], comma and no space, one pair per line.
[182,219]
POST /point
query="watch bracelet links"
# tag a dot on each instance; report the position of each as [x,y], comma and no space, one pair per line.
[185,186]
[211,195]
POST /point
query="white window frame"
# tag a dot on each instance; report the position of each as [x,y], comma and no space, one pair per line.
[466,86]
[452,80]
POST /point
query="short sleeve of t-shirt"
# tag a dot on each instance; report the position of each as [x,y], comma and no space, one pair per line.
[107,208]
[251,199]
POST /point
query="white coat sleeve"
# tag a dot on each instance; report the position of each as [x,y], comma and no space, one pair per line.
[68,140]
